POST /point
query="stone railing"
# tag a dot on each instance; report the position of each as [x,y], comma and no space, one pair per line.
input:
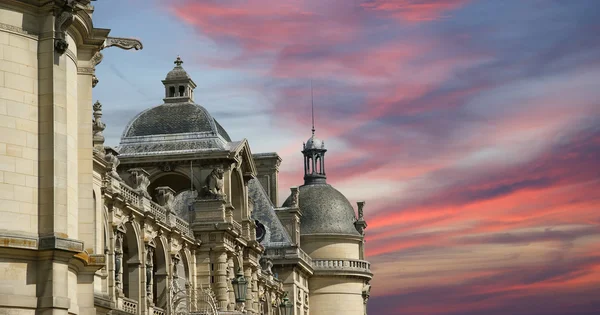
[145,204]
[288,252]
[129,194]
[130,306]
[158,311]
[342,265]
[183,226]
[158,211]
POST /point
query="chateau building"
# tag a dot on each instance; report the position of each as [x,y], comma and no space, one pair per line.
[177,219]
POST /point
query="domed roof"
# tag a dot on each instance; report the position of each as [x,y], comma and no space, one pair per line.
[324,210]
[174,118]
[178,73]
[314,143]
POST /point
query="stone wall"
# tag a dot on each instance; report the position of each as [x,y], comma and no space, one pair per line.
[18,125]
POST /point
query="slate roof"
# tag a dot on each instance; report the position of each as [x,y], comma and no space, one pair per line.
[264,212]
[324,210]
[173,128]
[174,118]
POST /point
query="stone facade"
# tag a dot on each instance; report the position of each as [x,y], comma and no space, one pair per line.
[163,223]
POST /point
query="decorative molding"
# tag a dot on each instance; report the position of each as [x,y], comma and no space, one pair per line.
[18,242]
[123,43]
[85,70]
[17,30]
[55,242]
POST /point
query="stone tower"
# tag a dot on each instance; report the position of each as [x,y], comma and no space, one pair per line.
[333,237]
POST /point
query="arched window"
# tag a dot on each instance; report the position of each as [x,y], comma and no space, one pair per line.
[181,90]
[171,91]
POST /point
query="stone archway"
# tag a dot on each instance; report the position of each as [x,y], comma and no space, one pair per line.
[131,263]
[160,286]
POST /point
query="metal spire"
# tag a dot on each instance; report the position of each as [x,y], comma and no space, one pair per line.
[312,104]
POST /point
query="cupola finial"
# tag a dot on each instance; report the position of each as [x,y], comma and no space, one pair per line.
[178,61]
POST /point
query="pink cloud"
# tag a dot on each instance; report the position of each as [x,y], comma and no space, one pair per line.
[414,10]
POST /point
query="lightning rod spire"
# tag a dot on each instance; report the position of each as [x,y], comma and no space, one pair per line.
[312,105]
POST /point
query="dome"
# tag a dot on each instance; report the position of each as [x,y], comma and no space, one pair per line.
[178,73]
[324,210]
[174,119]
[314,143]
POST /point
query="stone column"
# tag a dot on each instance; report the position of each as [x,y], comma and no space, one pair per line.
[221,280]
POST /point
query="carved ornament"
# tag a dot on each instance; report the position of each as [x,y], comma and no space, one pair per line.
[123,43]
[98,127]
[63,19]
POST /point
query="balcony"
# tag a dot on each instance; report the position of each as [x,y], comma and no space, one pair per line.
[355,267]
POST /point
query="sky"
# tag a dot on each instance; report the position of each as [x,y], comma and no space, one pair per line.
[470,128]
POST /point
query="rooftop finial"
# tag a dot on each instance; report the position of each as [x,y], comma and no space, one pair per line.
[178,61]
[312,104]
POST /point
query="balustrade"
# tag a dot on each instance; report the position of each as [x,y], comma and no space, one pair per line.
[129,194]
[158,211]
[158,311]
[146,205]
[342,264]
[130,306]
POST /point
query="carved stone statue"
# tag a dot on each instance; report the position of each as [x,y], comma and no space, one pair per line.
[214,184]
[295,196]
[118,259]
[361,205]
[140,181]
[98,127]
[149,270]
[266,265]
[113,162]
[165,197]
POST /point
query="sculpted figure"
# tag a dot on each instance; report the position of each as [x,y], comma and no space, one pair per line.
[214,184]
[366,292]
[266,265]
